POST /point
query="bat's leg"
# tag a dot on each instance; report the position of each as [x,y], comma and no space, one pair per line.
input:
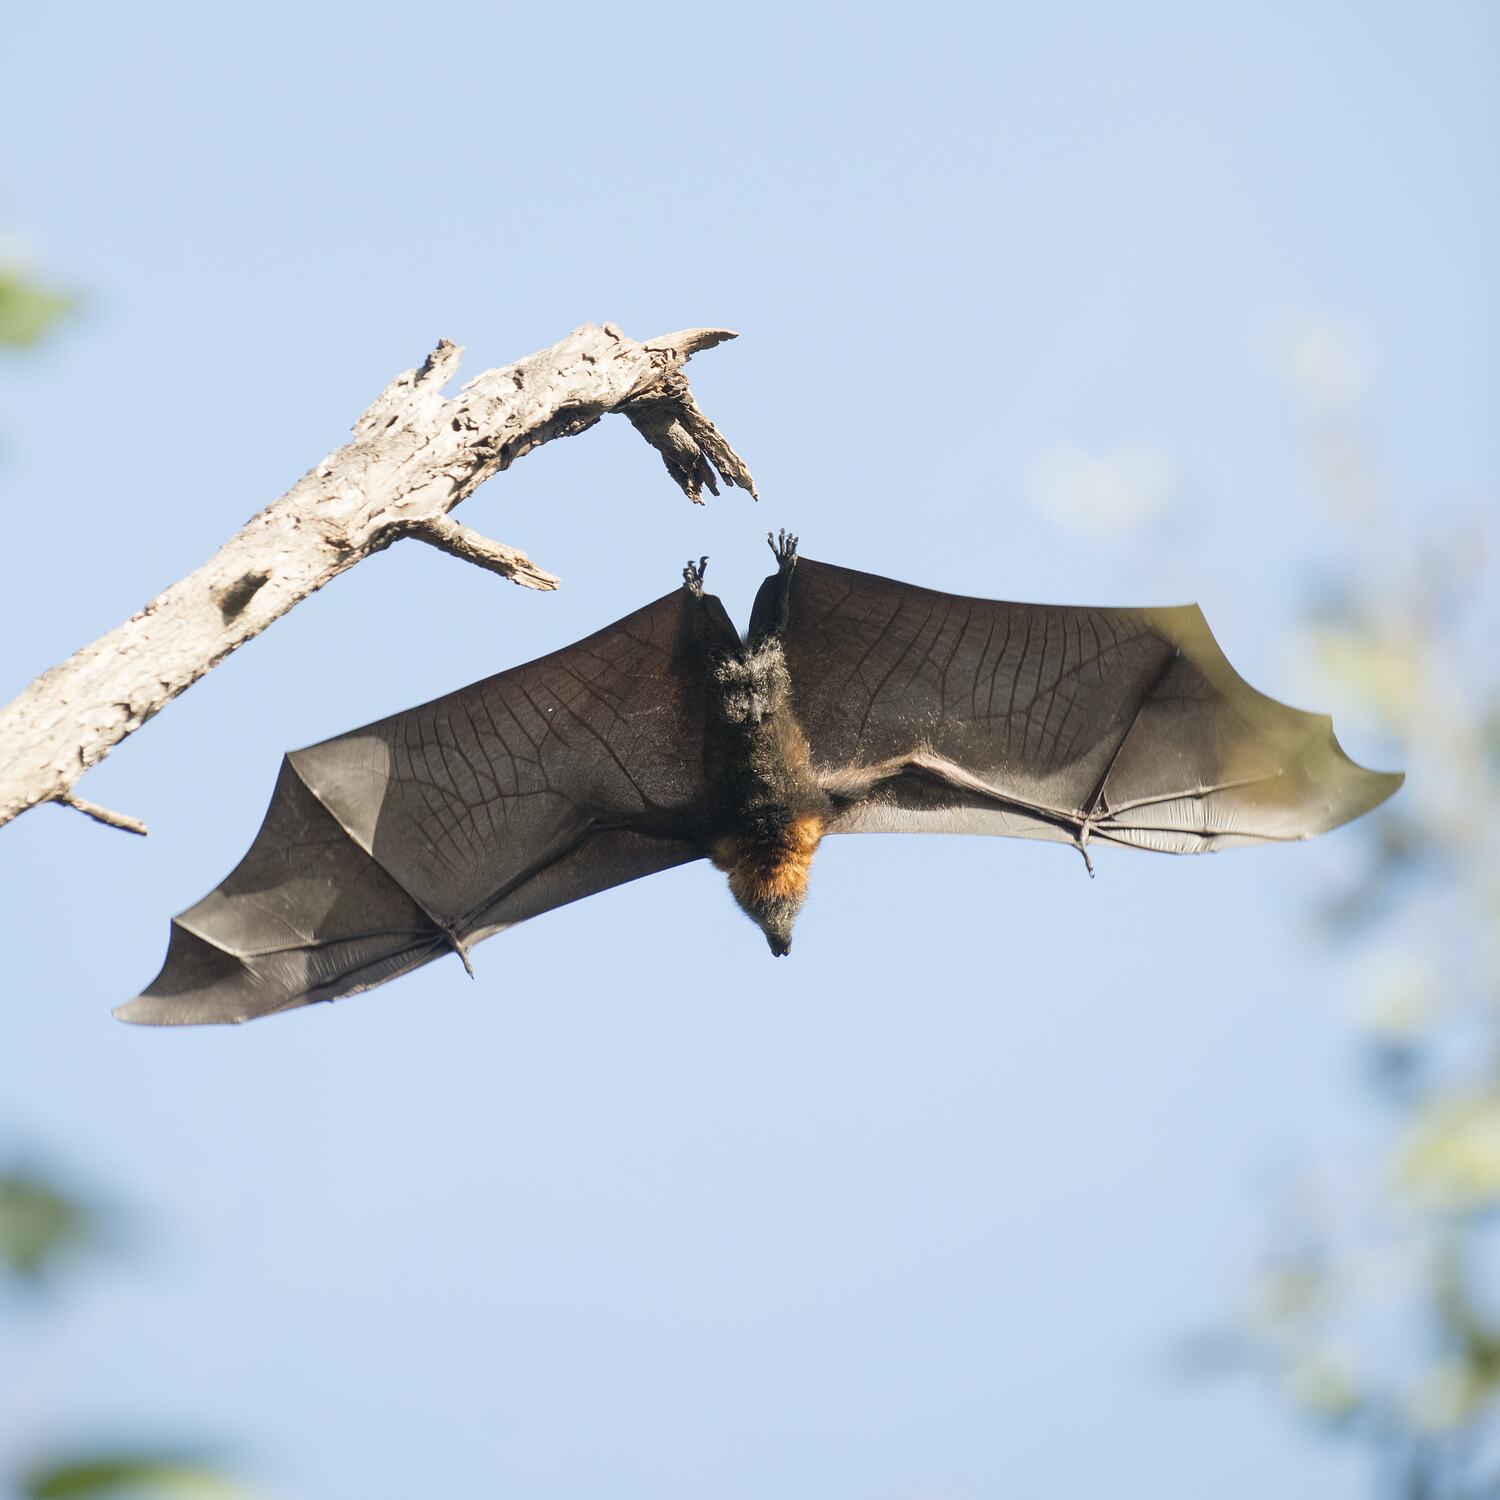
[1081,844]
[459,946]
[692,576]
[1097,806]
[784,545]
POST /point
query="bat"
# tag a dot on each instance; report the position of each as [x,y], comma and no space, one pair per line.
[855,704]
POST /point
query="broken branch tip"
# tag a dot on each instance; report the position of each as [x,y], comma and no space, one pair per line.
[110,819]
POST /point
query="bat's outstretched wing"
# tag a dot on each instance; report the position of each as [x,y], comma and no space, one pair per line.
[422,833]
[929,712]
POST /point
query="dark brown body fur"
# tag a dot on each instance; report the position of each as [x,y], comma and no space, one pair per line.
[767,811]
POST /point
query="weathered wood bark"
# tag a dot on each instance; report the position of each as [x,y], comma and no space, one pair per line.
[415,455]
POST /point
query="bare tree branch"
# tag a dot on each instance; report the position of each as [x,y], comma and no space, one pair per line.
[690,445]
[415,455]
[102,814]
[448,536]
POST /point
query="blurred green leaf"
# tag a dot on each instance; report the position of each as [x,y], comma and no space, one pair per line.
[27,311]
[1447,1396]
[1384,668]
[1489,734]
[130,1474]
[1324,1388]
[1451,1157]
[1404,999]
[1286,1295]
[38,1224]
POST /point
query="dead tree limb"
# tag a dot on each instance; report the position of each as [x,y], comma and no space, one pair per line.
[416,453]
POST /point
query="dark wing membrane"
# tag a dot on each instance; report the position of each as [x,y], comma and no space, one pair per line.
[932,712]
[424,832]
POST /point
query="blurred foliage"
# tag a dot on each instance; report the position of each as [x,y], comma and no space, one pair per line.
[1451,1155]
[130,1475]
[39,1224]
[27,310]
[1378,1313]
[42,1225]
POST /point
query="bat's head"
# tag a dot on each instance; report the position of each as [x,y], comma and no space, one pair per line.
[753,685]
[768,875]
[776,919]
[771,896]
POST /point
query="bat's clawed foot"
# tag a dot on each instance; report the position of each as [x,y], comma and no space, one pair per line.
[692,576]
[784,545]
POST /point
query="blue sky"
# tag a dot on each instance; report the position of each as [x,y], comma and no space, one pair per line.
[921,1212]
